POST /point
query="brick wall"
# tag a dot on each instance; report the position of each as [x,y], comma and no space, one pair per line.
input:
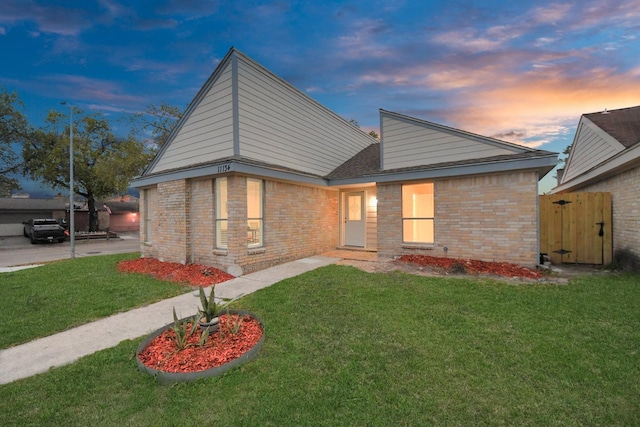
[299,221]
[485,217]
[625,207]
[202,224]
[172,236]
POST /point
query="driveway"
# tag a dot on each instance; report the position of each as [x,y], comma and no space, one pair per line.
[17,250]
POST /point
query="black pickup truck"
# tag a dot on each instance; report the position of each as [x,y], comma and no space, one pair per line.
[44,230]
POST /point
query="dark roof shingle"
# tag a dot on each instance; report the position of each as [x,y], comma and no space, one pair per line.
[622,124]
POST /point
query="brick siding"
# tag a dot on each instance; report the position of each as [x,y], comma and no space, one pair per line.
[486,217]
[625,206]
[299,221]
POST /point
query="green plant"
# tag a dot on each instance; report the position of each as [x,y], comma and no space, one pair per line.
[210,309]
[234,323]
[182,330]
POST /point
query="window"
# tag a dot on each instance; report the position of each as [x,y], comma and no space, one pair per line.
[147,216]
[254,213]
[221,213]
[417,213]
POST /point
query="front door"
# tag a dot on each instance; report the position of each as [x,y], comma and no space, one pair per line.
[354,219]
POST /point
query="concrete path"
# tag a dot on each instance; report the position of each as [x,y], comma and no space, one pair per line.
[60,349]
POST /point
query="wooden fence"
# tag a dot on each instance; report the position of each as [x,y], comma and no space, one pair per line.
[576,228]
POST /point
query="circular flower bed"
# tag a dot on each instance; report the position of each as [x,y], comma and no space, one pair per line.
[239,339]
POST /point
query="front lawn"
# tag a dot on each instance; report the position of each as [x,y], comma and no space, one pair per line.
[44,300]
[345,347]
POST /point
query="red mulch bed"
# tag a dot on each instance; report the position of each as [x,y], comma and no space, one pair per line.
[471,266]
[163,355]
[194,274]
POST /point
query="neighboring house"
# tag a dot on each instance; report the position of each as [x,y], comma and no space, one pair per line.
[605,157]
[119,215]
[256,173]
[14,211]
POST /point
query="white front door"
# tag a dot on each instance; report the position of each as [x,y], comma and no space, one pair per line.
[354,219]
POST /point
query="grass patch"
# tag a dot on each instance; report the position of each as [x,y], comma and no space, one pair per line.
[42,301]
[344,347]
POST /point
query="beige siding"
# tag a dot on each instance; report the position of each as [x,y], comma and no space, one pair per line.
[412,144]
[592,147]
[207,134]
[280,125]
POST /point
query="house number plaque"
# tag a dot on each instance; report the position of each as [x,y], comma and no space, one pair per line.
[224,168]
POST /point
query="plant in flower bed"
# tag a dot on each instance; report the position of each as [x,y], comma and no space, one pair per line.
[471,266]
[185,348]
[195,274]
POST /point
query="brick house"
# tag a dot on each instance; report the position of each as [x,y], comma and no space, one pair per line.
[605,157]
[256,173]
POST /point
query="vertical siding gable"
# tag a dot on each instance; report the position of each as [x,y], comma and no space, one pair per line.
[591,146]
[206,133]
[278,124]
[411,142]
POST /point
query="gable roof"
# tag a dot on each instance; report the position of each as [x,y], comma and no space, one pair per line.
[247,120]
[408,141]
[606,143]
[433,149]
[245,112]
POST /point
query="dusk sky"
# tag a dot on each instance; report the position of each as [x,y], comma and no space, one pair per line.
[522,71]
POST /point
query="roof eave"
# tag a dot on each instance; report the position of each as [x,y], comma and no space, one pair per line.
[542,164]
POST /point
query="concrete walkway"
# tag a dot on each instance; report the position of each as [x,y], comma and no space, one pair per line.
[66,347]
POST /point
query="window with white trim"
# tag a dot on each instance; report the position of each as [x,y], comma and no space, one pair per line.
[255,219]
[221,213]
[418,213]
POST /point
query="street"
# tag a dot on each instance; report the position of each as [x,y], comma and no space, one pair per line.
[17,250]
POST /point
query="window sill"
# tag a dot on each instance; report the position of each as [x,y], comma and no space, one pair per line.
[147,243]
[418,247]
[256,251]
[220,252]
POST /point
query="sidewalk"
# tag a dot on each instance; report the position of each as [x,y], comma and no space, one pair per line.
[60,349]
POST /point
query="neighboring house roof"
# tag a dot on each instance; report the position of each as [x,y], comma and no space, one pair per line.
[247,120]
[622,124]
[119,207]
[10,204]
[605,144]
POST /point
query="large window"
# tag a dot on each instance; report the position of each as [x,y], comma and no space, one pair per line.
[417,213]
[254,213]
[221,213]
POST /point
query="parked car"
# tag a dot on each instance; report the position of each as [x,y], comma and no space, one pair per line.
[44,230]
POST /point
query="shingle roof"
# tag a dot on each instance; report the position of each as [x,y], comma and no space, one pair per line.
[622,124]
[32,204]
[367,163]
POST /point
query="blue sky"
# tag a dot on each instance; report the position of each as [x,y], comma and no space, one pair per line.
[522,71]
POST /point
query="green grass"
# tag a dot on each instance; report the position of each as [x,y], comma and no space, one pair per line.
[344,347]
[57,296]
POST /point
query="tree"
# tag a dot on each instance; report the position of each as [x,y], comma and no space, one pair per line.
[158,122]
[103,164]
[13,129]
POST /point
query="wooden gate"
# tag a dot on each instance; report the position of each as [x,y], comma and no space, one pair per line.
[576,228]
